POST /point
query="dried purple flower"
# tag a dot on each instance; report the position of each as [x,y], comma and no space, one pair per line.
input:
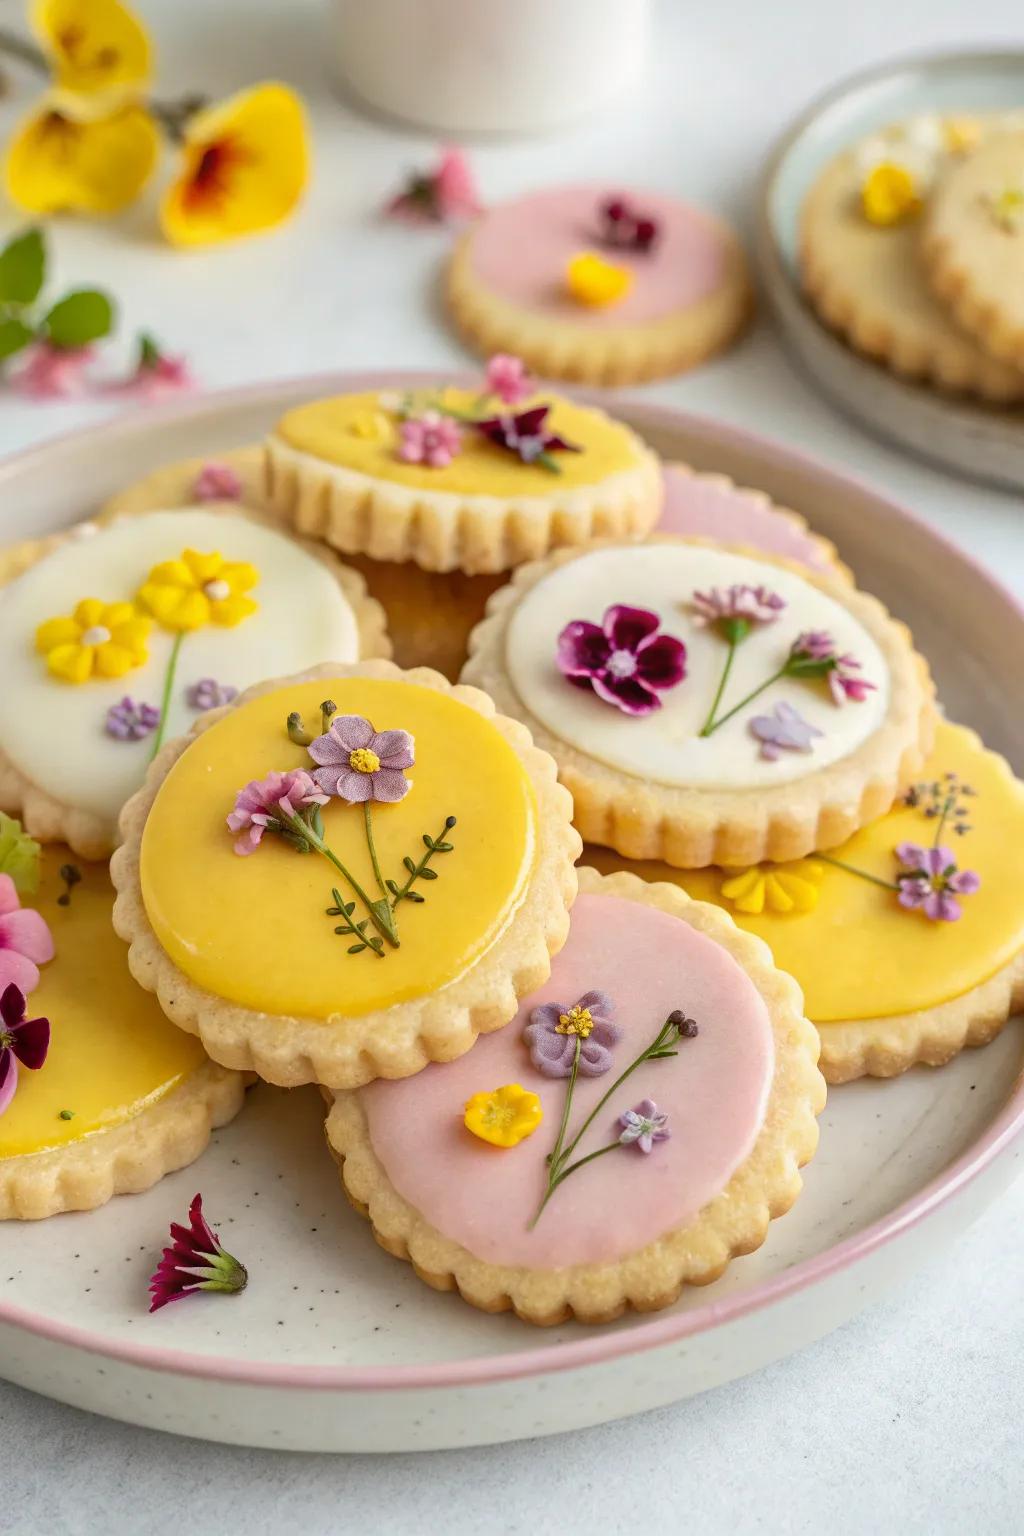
[554,1029]
[359,764]
[930,881]
[813,654]
[784,730]
[206,693]
[128,721]
[194,1261]
[643,1126]
[21,1039]
[623,659]
[527,436]
[217,482]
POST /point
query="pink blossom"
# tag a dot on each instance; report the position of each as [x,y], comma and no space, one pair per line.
[507,377]
[930,881]
[443,195]
[813,654]
[754,605]
[269,804]
[430,439]
[25,941]
[816,644]
[156,381]
[217,482]
[53,373]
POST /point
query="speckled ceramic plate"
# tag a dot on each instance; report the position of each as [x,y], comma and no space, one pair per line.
[977,439]
[335,1346]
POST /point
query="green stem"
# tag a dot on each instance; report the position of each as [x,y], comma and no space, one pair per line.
[947,807]
[851,869]
[588,1122]
[380,912]
[556,1151]
[165,702]
[745,701]
[709,723]
[565,1174]
[17,47]
[373,850]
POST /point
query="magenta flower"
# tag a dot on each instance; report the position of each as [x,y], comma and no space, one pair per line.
[217,482]
[25,941]
[643,1125]
[623,659]
[813,654]
[625,227]
[445,194]
[128,721]
[359,764]
[206,693]
[508,378]
[930,881]
[845,683]
[269,805]
[21,1039]
[734,610]
[157,375]
[194,1261]
[430,439]
[53,373]
[784,730]
[554,1029]
[527,436]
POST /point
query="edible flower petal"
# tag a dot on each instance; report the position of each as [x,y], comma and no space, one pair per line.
[269,804]
[21,1040]
[198,589]
[929,881]
[194,1261]
[358,764]
[595,282]
[623,660]
[63,163]
[504,1116]
[890,194]
[643,1125]
[554,1029]
[780,888]
[97,640]
[25,940]
[94,45]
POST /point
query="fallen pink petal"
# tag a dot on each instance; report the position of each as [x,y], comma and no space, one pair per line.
[194,1261]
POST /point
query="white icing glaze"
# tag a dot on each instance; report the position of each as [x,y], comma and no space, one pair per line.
[54,731]
[665,746]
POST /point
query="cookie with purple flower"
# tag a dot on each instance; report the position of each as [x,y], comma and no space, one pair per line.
[707,705]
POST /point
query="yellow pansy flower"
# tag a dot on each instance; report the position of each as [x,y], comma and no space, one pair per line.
[246,164]
[595,282]
[889,194]
[198,589]
[94,45]
[60,163]
[505,1116]
[97,640]
[778,888]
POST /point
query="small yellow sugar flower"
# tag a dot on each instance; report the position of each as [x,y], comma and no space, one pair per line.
[372,426]
[961,134]
[94,45]
[505,1116]
[781,888]
[61,160]
[1007,208]
[198,589]
[890,194]
[97,640]
[595,282]
[246,163]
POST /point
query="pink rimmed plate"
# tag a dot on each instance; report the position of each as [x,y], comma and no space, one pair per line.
[335,1345]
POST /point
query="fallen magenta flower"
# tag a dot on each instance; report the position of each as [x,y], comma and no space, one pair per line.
[194,1261]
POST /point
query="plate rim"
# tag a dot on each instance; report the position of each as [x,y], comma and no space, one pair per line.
[596,1347]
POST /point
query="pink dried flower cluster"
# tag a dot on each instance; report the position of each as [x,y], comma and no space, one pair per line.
[266,804]
[508,378]
[755,605]
[431,439]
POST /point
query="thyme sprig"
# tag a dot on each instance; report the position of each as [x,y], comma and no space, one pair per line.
[422,870]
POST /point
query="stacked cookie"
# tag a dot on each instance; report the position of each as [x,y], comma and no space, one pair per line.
[912,247]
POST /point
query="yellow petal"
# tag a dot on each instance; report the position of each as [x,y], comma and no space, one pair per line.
[57,632]
[115,614]
[595,282]
[246,162]
[239,575]
[90,611]
[95,45]
[132,636]
[56,163]
[72,663]
[746,890]
[172,573]
[203,567]
[113,660]
[777,896]
[889,194]
[232,611]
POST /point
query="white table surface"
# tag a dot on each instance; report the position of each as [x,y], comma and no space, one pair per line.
[907,1419]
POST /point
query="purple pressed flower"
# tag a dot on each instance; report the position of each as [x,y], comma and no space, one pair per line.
[643,1125]
[815,644]
[270,803]
[623,659]
[526,435]
[813,654]
[722,607]
[430,439]
[217,482]
[507,377]
[844,682]
[21,1039]
[554,1029]
[930,881]
[207,693]
[358,764]
[128,721]
[194,1261]
[784,730]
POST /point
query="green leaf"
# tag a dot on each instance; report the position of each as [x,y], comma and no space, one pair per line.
[81,317]
[14,334]
[22,268]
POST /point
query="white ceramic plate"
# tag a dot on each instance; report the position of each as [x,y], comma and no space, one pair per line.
[984,441]
[335,1345]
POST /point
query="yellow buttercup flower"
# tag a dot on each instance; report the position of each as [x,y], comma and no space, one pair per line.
[58,162]
[889,194]
[246,165]
[961,134]
[95,45]
[781,888]
[97,640]
[198,589]
[505,1116]
[595,282]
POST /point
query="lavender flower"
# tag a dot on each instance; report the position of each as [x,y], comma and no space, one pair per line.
[784,730]
[359,764]
[930,881]
[207,693]
[554,1029]
[734,610]
[527,436]
[643,1126]
[129,721]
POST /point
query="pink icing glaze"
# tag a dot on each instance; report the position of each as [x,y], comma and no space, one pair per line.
[520,250]
[715,1092]
[698,505]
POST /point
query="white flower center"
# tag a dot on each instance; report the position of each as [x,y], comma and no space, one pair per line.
[621,664]
[217,591]
[98,634]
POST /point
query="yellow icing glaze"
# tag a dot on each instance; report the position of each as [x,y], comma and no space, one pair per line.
[112,1052]
[858,954]
[334,430]
[254,929]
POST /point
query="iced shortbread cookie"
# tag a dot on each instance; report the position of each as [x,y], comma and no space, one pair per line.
[705,705]
[860,256]
[908,941]
[973,245]
[99,1094]
[710,506]
[654,1182]
[117,637]
[459,479]
[346,874]
[600,287]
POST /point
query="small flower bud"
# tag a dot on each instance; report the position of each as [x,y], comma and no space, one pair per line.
[296,730]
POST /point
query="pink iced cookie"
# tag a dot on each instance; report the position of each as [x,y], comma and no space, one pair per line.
[664,284]
[712,507]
